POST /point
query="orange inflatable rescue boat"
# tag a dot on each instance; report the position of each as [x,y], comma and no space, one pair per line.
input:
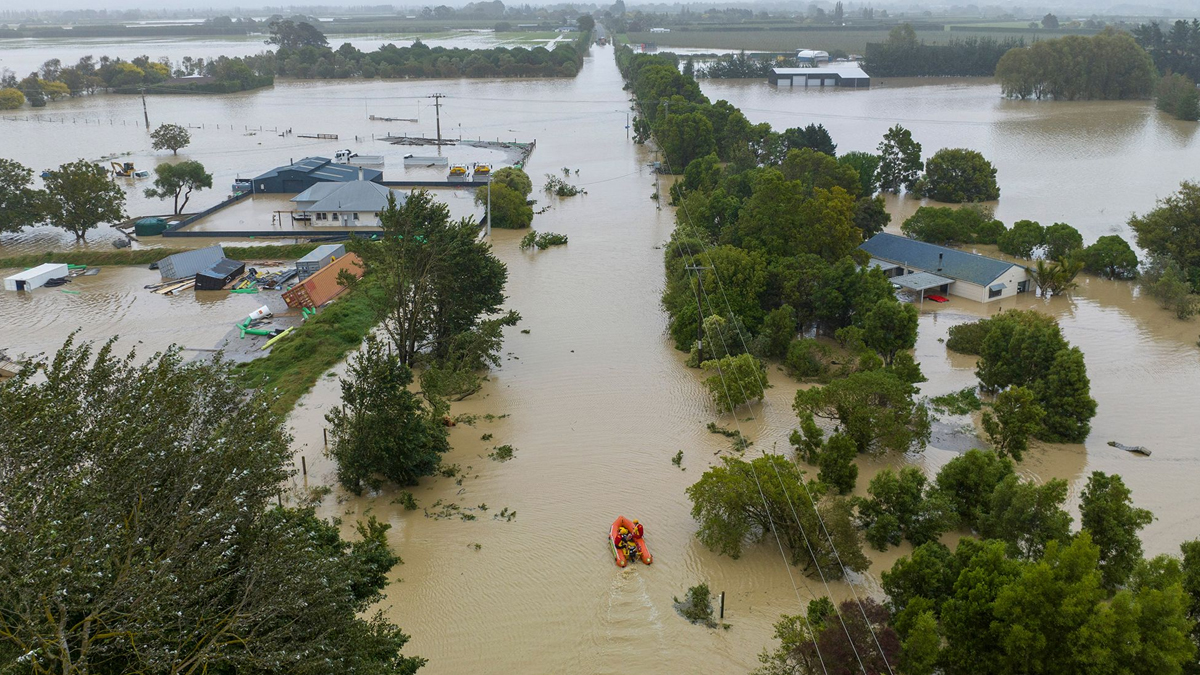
[614,538]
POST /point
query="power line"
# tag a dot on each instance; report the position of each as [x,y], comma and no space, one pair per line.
[812,502]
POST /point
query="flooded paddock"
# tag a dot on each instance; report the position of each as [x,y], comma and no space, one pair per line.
[595,399]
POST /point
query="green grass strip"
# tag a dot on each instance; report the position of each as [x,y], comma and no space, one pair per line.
[145,256]
[320,343]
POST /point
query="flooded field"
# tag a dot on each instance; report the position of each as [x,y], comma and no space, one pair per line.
[1087,163]
[595,399]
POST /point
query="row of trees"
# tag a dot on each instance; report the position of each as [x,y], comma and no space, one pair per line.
[53,80]
[901,55]
[1107,66]
[421,60]
[80,195]
[436,290]
[1176,50]
[1177,95]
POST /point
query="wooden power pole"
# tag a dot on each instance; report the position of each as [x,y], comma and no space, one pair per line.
[437,105]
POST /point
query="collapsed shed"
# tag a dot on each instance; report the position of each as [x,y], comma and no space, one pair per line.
[219,275]
[190,263]
[323,286]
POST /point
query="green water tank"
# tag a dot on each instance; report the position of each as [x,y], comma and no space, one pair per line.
[149,227]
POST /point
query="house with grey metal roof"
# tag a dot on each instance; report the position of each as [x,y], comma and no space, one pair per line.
[924,267]
[299,176]
[354,204]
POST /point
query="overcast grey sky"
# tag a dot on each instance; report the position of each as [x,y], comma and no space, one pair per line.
[1078,7]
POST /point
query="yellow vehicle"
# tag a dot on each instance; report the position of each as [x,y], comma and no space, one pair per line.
[458,170]
[482,169]
[124,170]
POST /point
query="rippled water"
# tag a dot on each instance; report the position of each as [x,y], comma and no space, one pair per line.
[597,399]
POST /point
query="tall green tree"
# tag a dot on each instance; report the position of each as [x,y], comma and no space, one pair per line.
[1065,395]
[1108,514]
[170,137]
[958,175]
[1022,239]
[1027,517]
[836,461]
[899,509]
[79,196]
[968,482]
[1172,230]
[919,653]
[735,381]
[875,408]
[383,431]
[684,138]
[172,181]
[140,533]
[1014,417]
[20,203]
[889,327]
[1111,257]
[732,512]
[899,160]
[436,279]
[867,166]
[1062,241]
[509,208]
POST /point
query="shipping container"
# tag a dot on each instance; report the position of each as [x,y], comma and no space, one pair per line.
[221,273]
[190,263]
[35,277]
[316,260]
[323,286]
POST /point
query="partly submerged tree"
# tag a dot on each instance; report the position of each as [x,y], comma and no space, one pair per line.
[80,195]
[899,160]
[1014,417]
[852,638]
[958,175]
[900,508]
[735,381]
[875,408]
[435,279]
[382,430]
[1107,512]
[732,512]
[170,137]
[139,531]
[175,180]
[1110,256]
[20,203]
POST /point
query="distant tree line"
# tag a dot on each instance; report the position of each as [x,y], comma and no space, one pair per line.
[1107,66]
[902,56]
[1175,51]
[421,60]
[53,80]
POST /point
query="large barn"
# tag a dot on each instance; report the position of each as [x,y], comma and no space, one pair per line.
[299,176]
[851,77]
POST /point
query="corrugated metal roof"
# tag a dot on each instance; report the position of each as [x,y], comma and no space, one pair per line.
[189,263]
[359,195]
[323,251]
[920,281]
[953,263]
[845,72]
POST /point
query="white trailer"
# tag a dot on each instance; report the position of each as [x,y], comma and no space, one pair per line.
[35,277]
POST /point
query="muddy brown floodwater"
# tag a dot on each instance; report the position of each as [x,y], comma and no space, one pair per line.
[595,399]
